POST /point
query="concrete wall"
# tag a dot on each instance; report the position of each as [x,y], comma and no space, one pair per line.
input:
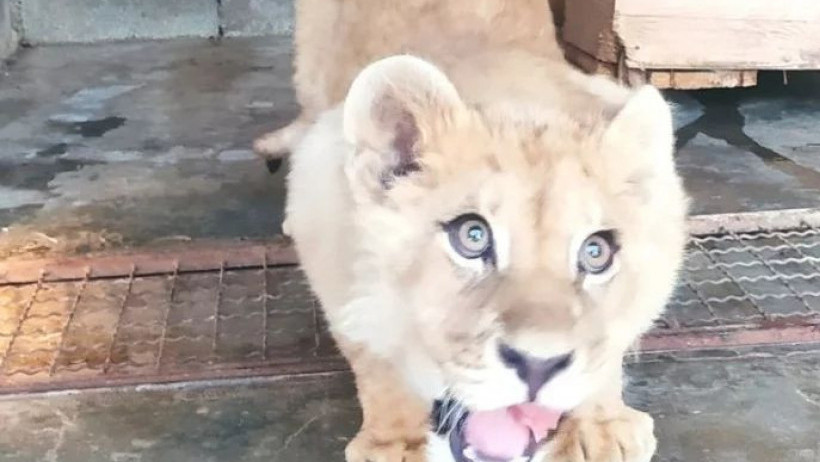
[256,17]
[83,21]
[8,38]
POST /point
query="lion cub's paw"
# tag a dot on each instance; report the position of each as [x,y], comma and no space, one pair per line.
[625,436]
[365,448]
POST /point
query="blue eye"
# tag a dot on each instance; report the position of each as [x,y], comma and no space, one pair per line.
[477,234]
[470,236]
[594,250]
[597,252]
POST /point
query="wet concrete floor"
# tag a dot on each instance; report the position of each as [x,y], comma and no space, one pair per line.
[137,143]
[764,407]
[751,149]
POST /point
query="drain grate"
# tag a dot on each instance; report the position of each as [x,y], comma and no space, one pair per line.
[165,317]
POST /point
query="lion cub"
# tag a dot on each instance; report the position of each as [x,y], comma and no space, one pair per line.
[488,229]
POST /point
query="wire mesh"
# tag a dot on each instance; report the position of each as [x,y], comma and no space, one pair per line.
[226,321]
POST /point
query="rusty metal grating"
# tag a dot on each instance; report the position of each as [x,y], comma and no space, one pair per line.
[160,328]
[103,322]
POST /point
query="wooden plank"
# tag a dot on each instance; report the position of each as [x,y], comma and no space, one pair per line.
[780,10]
[588,27]
[587,62]
[696,80]
[557,7]
[664,79]
[719,34]
[667,79]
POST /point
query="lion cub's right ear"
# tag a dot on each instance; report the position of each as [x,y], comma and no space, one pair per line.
[388,113]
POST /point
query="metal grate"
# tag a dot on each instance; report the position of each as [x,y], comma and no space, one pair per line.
[761,277]
[101,322]
[160,328]
[744,288]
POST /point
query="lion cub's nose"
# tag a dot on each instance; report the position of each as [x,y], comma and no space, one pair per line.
[535,372]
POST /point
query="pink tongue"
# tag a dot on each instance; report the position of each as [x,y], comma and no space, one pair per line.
[505,433]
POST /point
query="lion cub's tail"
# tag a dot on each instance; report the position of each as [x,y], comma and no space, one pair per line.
[275,145]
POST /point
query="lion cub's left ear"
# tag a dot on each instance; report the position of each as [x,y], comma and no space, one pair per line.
[388,112]
[639,142]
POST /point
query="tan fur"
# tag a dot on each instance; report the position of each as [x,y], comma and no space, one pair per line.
[399,434]
[335,39]
[611,432]
[499,125]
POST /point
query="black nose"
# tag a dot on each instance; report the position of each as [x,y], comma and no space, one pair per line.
[535,372]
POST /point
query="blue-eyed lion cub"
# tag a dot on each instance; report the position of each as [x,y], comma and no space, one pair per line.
[488,230]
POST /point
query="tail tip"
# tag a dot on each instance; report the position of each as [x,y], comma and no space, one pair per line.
[273,164]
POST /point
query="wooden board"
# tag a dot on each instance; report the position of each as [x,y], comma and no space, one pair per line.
[718,34]
[696,80]
[588,62]
[588,27]
[662,78]
[557,7]
[692,44]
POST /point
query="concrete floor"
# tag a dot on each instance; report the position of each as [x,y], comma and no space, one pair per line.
[139,142]
[705,410]
[131,144]
[136,144]
[751,149]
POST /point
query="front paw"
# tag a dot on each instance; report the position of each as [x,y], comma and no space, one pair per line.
[626,435]
[366,447]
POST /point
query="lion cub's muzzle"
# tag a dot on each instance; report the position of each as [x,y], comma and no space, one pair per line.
[534,372]
[510,434]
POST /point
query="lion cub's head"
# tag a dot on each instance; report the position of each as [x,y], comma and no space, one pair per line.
[518,251]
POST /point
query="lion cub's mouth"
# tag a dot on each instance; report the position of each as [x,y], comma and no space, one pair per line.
[510,434]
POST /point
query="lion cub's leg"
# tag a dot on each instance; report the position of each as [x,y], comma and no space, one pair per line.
[395,421]
[613,434]
[604,430]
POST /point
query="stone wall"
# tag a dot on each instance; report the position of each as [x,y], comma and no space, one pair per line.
[8,37]
[87,21]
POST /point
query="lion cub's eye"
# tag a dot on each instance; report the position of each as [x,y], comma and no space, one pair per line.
[597,252]
[470,236]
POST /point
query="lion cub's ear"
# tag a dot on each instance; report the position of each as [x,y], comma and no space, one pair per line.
[388,113]
[639,142]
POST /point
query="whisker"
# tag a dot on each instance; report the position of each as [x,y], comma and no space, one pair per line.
[452,405]
[461,412]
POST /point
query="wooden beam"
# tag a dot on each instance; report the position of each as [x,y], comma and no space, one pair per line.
[661,78]
[782,10]
[588,27]
[718,34]
[696,80]
[557,7]
[588,63]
